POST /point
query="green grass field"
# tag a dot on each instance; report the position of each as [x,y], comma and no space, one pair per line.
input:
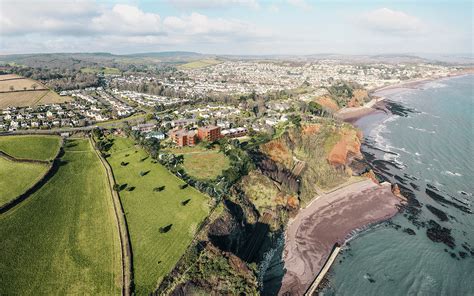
[63,239]
[201,163]
[154,253]
[200,64]
[31,147]
[17,177]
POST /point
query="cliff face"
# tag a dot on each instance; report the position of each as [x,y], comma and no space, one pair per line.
[328,103]
[346,149]
[359,97]
[218,273]
[319,156]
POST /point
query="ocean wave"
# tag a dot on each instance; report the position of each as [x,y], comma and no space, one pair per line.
[377,133]
[433,84]
[402,149]
[462,192]
[421,130]
[449,173]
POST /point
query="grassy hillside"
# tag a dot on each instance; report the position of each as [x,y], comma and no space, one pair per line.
[17,177]
[161,223]
[31,147]
[63,239]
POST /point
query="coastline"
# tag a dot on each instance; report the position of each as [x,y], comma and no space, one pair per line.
[433,103]
[353,114]
[327,221]
[308,245]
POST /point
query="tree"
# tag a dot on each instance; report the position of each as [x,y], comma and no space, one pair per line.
[295,119]
[315,108]
[12,88]
[34,86]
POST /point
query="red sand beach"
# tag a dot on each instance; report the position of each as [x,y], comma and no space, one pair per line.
[327,220]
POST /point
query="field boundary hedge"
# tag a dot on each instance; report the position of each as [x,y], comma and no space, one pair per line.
[56,163]
[126,247]
[14,159]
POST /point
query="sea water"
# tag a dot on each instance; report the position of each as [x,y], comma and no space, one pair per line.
[428,145]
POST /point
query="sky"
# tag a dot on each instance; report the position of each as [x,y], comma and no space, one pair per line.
[237,27]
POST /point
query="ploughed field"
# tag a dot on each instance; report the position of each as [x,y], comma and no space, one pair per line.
[162,217]
[17,91]
[30,147]
[62,239]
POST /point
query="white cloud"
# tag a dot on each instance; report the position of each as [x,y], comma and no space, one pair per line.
[386,20]
[127,20]
[81,26]
[300,4]
[198,24]
[274,8]
[208,4]
[22,17]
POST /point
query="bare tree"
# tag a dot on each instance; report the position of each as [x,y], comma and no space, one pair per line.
[34,86]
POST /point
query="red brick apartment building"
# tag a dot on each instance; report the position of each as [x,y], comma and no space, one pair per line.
[209,133]
[183,137]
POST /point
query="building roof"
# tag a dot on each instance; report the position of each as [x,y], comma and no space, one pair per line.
[208,128]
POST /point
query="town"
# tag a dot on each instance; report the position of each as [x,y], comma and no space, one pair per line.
[184,105]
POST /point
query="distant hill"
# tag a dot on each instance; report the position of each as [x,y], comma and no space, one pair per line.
[104,59]
[166,54]
[99,59]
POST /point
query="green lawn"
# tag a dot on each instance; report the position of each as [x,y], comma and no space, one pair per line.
[200,64]
[31,147]
[17,177]
[154,253]
[63,239]
[201,163]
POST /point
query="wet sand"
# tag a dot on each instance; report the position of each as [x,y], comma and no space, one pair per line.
[330,219]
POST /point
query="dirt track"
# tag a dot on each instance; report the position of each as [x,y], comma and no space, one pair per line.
[327,220]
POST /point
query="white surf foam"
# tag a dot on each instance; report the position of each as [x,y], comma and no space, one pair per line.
[449,173]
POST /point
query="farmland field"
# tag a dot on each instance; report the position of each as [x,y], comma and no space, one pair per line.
[18,83]
[199,64]
[147,210]
[30,147]
[63,239]
[202,163]
[30,98]
[17,177]
[8,76]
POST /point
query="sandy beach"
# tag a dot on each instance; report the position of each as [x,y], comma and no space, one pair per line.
[353,114]
[328,220]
